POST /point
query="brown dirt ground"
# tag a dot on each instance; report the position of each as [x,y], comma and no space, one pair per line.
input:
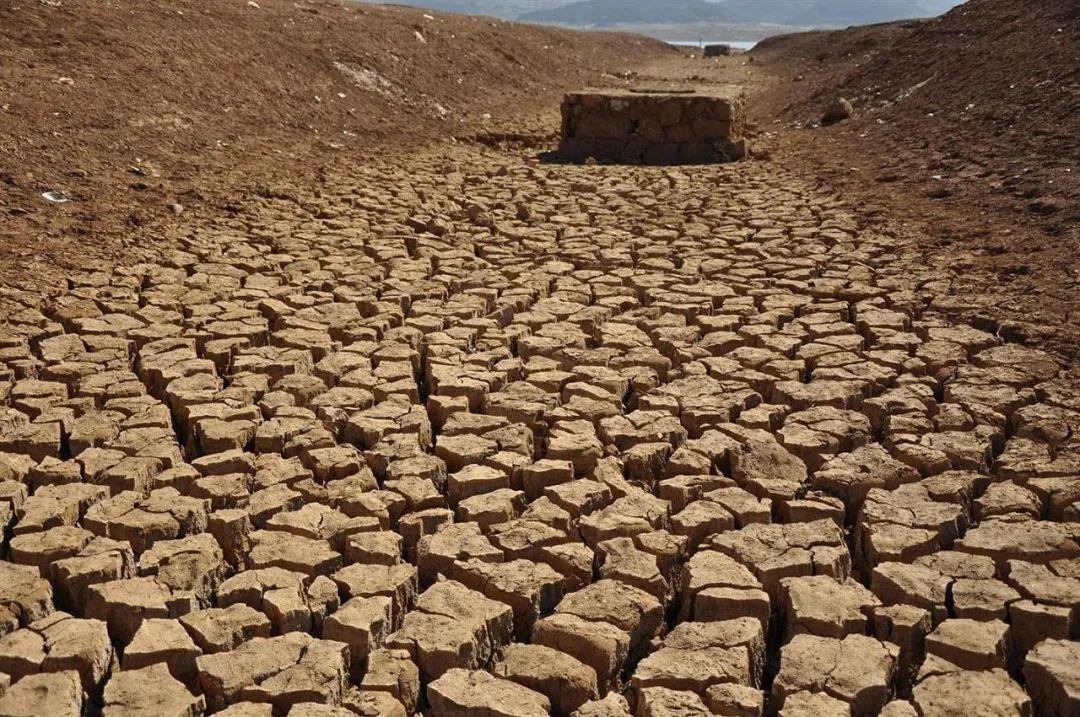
[128,107]
[967,131]
[966,135]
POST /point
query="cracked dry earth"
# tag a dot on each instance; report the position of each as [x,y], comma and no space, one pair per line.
[481,436]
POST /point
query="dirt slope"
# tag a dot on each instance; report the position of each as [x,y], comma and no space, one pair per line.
[967,127]
[128,107]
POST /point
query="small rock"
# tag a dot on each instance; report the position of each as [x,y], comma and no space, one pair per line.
[838,111]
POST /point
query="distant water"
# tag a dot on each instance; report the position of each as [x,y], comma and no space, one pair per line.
[736,44]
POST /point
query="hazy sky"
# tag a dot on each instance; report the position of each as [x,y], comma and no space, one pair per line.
[778,11]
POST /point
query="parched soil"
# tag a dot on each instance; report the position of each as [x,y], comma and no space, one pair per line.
[129,108]
[454,431]
[967,131]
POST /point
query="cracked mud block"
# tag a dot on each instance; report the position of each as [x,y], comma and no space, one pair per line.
[1035,622]
[42,549]
[1008,501]
[632,514]
[700,520]
[913,520]
[899,708]
[38,441]
[281,671]
[292,601]
[475,480]
[1031,541]
[565,681]
[492,508]
[453,627]
[600,645]
[970,692]
[580,497]
[1052,677]
[164,514]
[657,701]
[100,560]
[163,641]
[191,566]
[805,704]
[124,604]
[698,655]
[773,552]
[822,606]
[319,522]
[461,691]
[983,600]
[906,626]
[56,505]
[24,596]
[223,629]
[47,693]
[764,468]
[361,623]
[58,643]
[437,553]
[397,582]
[818,434]
[149,691]
[530,589]
[928,582]
[633,611]
[970,644]
[717,587]
[857,670]
[622,560]
[282,549]
[394,674]
[1052,584]
[525,538]
[537,477]
[613,705]
[735,700]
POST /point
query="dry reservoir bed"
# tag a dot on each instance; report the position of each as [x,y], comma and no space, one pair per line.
[486,437]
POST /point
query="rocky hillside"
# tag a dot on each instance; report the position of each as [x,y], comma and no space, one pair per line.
[985,93]
[968,125]
[132,110]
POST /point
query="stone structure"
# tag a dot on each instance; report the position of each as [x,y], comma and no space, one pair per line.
[717,50]
[652,126]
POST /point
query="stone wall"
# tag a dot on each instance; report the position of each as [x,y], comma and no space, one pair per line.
[653,127]
[717,50]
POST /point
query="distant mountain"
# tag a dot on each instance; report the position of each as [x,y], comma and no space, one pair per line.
[835,12]
[507,9]
[691,19]
[628,12]
[601,13]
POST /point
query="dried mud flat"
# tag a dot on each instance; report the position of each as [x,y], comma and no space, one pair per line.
[476,435]
[445,430]
[966,131]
